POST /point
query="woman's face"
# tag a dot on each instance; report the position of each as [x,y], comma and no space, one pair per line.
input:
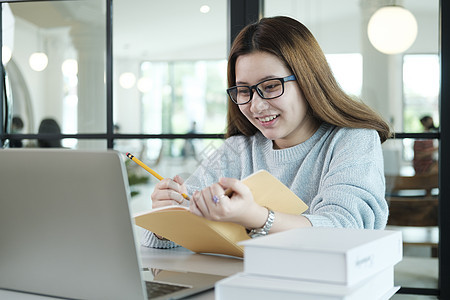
[283,120]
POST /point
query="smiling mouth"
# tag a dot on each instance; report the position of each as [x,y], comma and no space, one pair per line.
[268,118]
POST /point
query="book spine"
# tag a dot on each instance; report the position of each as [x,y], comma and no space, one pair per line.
[295,264]
[370,258]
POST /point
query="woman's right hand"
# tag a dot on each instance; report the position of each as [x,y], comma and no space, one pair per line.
[168,192]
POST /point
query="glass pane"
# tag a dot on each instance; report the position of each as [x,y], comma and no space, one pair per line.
[57,65]
[341,29]
[412,193]
[402,88]
[409,157]
[421,91]
[347,68]
[172,79]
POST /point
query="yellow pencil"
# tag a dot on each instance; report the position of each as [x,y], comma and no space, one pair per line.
[148,169]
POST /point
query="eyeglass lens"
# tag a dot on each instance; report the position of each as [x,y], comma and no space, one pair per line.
[268,89]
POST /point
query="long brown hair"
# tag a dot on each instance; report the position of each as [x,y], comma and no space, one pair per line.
[294,44]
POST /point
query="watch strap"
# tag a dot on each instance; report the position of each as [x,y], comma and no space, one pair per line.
[257,232]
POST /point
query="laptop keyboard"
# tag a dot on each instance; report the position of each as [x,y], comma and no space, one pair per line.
[156,289]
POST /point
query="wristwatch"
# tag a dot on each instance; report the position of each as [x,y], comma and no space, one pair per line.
[263,231]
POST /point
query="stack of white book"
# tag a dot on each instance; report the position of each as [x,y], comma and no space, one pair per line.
[317,263]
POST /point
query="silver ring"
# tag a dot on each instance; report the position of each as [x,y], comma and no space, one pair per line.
[216,199]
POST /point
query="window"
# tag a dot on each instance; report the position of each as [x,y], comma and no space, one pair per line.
[420,90]
[185,97]
[347,69]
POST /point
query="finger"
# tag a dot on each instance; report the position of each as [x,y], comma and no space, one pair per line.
[234,185]
[177,197]
[193,205]
[202,201]
[159,195]
[163,203]
[169,197]
[167,189]
[169,184]
[178,179]
[217,193]
[212,196]
[182,188]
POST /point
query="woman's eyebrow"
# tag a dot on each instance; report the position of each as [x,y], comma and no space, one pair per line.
[261,79]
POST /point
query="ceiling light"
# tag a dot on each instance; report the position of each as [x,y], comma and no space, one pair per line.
[144,84]
[69,67]
[127,80]
[205,9]
[392,29]
[6,54]
[38,61]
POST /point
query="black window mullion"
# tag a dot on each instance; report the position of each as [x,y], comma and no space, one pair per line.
[109,79]
[444,148]
[3,119]
[240,14]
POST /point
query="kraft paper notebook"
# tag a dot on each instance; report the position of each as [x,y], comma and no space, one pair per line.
[200,235]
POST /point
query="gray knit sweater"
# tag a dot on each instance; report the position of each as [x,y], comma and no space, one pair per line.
[338,173]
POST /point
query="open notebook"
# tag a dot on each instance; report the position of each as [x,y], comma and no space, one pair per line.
[197,234]
[66,229]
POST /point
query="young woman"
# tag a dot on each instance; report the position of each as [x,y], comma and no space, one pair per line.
[287,115]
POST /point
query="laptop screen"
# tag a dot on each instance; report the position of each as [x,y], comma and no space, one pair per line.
[65,225]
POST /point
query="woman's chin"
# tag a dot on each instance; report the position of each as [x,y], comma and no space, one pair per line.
[270,134]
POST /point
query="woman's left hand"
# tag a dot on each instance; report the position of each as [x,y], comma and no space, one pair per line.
[240,207]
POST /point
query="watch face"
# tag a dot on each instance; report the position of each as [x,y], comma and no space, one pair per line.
[257,233]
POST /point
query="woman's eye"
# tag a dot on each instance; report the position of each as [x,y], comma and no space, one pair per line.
[243,92]
[271,86]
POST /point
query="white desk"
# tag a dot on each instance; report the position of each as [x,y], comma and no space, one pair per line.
[180,259]
[414,272]
[185,260]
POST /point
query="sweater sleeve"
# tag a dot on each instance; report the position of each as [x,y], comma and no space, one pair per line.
[352,187]
[149,239]
[220,162]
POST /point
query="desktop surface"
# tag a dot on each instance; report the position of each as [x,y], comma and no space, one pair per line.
[184,260]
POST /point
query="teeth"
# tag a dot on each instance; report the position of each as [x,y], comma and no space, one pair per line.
[267,119]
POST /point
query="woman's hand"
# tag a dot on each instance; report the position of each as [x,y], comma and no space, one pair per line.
[168,192]
[240,207]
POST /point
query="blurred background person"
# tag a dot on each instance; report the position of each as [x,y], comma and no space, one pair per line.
[16,127]
[425,161]
[49,126]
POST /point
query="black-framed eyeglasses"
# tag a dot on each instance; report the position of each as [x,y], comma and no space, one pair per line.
[266,89]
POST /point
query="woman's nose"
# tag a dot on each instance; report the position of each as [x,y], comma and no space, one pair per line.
[258,104]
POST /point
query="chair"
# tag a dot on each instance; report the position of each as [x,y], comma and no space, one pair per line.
[424,182]
[413,209]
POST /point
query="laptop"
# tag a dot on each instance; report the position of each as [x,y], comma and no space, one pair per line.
[66,230]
